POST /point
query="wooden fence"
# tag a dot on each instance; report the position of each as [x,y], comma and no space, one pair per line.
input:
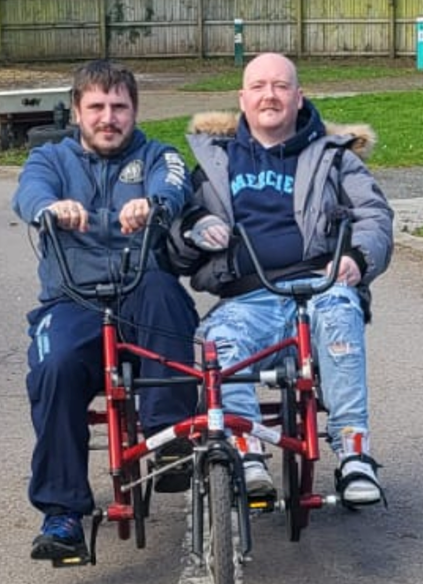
[53,30]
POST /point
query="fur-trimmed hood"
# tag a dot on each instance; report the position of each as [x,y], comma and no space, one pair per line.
[225,123]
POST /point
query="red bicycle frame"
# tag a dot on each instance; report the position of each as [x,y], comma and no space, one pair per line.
[213,423]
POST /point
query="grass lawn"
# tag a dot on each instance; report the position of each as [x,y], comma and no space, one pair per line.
[311,72]
[392,115]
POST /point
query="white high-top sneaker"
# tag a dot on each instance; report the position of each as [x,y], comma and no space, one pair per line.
[356,478]
[257,478]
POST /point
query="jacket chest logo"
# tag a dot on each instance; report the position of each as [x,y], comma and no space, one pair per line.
[132,173]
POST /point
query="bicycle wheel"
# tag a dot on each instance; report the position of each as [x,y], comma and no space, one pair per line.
[221,553]
[290,467]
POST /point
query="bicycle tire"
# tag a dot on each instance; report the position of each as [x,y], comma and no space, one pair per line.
[39,135]
[134,470]
[306,471]
[221,554]
[290,467]
[5,137]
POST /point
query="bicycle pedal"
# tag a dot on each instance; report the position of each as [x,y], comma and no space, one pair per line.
[165,461]
[71,562]
[262,504]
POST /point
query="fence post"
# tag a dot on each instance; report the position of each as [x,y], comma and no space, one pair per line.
[200,28]
[238,41]
[419,43]
[1,31]
[102,15]
[300,28]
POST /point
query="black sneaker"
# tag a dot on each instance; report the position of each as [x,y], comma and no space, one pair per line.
[178,478]
[62,536]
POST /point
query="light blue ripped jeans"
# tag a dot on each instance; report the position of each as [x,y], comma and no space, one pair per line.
[248,323]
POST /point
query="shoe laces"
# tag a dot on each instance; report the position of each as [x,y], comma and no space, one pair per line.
[65,526]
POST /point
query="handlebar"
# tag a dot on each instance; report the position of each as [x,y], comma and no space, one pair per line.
[307,289]
[157,217]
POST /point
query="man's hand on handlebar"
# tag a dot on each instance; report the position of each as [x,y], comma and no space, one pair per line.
[210,233]
[70,214]
[349,272]
[133,215]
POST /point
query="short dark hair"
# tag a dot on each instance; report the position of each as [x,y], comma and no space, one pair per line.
[105,74]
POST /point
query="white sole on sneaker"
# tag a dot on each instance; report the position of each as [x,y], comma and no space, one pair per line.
[359,490]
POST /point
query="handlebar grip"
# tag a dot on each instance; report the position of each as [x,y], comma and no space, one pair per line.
[48,223]
[47,220]
[160,214]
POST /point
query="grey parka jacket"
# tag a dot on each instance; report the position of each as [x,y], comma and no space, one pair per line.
[330,173]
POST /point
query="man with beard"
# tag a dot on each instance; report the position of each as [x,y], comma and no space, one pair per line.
[98,185]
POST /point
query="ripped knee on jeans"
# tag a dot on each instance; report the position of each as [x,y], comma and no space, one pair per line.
[340,348]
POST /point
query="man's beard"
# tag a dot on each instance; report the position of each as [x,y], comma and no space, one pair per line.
[105,150]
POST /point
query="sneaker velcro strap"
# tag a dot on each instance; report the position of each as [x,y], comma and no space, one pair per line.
[249,456]
[341,483]
[362,458]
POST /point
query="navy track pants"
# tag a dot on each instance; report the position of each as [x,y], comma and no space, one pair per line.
[65,362]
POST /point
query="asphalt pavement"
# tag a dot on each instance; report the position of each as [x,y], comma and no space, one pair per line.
[371,547]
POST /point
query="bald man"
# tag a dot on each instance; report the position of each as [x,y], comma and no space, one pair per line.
[281,172]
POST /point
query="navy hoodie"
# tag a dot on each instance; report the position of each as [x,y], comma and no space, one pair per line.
[262,188]
[145,168]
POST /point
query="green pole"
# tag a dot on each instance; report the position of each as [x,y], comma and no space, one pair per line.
[238,41]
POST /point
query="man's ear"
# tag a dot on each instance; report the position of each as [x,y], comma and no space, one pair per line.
[241,100]
[76,115]
[300,98]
